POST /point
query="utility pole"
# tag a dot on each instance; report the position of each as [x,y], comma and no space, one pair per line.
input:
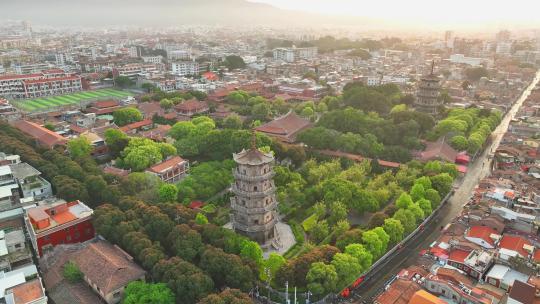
[294,294]
[287,293]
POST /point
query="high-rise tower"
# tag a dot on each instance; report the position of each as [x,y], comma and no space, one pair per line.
[427,96]
[254,203]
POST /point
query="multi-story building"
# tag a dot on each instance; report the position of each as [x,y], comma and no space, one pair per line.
[30,181]
[254,203]
[179,55]
[51,82]
[171,170]
[294,53]
[53,223]
[134,70]
[427,96]
[475,263]
[9,189]
[152,59]
[185,68]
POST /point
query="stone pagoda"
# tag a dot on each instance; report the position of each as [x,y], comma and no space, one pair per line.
[254,203]
[427,96]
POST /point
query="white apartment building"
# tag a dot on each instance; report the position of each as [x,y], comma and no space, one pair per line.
[462,59]
[185,68]
[133,70]
[294,53]
[503,47]
[47,83]
[179,55]
[152,59]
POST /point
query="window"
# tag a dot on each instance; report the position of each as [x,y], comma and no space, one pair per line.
[68,238]
[255,188]
[18,245]
[116,294]
[76,235]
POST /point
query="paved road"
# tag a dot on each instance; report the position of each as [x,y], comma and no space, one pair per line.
[477,170]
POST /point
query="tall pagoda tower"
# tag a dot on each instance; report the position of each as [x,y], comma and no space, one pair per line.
[254,203]
[428,92]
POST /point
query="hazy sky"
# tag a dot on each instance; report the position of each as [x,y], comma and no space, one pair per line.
[452,13]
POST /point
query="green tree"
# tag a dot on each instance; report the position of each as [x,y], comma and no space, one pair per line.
[252,251]
[320,231]
[417,192]
[459,143]
[71,272]
[424,181]
[442,183]
[166,104]
[234,62]
[394,229]
[260,111]
[417,211]
[273,264]
[168,193]
[338,212]
[425,205]
[407,219]
[232,121]
[79,147]
[201,219]
[433,196]
[123,82]
[404,201]
[116,141]
[126,116]
[347,267]
[96,185]
[374,244]
[358,251]
[139,292]
[322,278]
[474,74]
[227,296]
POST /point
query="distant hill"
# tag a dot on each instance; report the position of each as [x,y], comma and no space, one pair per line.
[158,13]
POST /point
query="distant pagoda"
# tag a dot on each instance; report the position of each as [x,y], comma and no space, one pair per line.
[254,203]
[427,96]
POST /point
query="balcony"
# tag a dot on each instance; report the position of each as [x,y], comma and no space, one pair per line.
[254,194]
[255,228]
[250,178]
[258,210]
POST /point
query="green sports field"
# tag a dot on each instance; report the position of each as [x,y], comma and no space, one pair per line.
[46,103]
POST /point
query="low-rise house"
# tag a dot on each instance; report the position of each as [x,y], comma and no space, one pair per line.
[514,246]
[41,135]
[438,150]
[191,107]
[286,127]
[424,297]
[104,107]
[13,249]
[22,286]
[521,293]
[99,147]
[135,127]
[171,170]
[483,236]
[504,277]
[53,223]
[475,262]
[30,181]
[452,285]
[107,270]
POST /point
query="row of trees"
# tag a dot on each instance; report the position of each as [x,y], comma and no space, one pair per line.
[467,129]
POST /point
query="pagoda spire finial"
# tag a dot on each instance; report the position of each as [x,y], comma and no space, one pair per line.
[253,139]
[432,66]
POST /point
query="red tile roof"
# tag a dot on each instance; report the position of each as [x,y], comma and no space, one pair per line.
[46,80]
[106,104]
[399,292]
[107,266]
[136,125]
[28,292]
[438,150]
[424,297]
[515,243]
[43,135]
[191,105]
[458,255]
[285,127]
[166,165]
[482,232]
[8,77]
